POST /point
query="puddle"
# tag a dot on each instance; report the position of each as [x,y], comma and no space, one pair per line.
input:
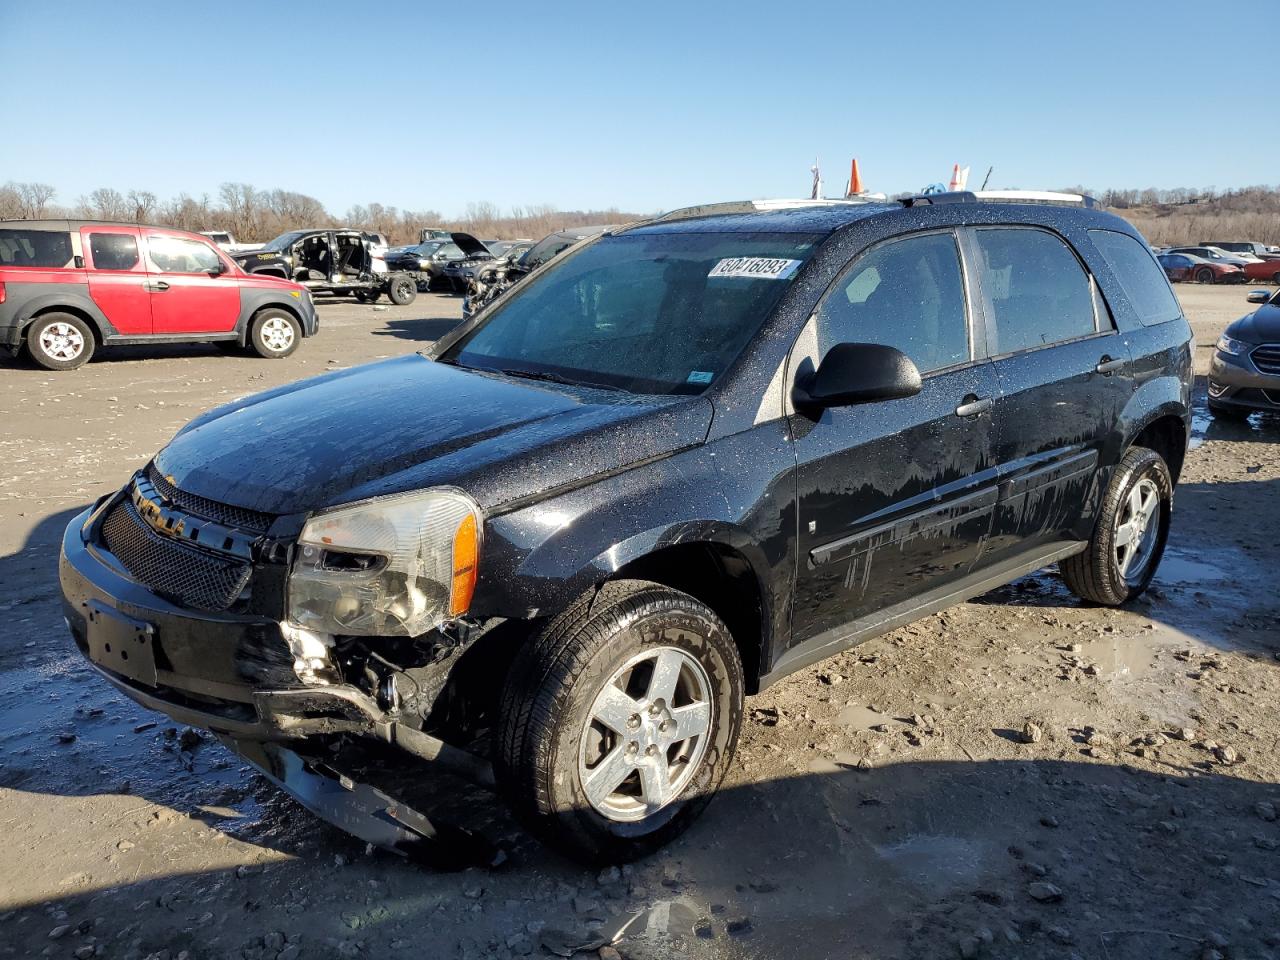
[1127,658]
[1178,567]
[857,717]
[666,918]
[937,863]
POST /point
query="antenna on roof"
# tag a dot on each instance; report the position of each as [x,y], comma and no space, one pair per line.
[987,178]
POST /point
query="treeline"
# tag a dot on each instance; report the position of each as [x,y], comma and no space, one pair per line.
[1168,217]
[253,215]
[1165,217]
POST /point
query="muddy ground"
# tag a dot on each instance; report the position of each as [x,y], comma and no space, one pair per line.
[885,804]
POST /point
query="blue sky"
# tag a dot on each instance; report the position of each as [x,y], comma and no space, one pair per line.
[640,106]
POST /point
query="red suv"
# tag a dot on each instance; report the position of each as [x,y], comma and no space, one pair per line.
[67,286]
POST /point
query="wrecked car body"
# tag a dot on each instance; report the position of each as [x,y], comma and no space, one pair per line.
[679,462]
[339,262]
[484,283]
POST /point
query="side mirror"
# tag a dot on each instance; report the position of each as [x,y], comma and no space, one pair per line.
[1259,296]
[853,373]
[217,270]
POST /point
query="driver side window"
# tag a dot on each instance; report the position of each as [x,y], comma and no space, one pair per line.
[907,294]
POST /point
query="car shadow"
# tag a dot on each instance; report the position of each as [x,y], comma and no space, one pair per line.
[426,330]
[1211,545]
[899,858]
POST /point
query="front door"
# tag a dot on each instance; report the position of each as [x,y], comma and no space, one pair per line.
[118,278]
[187,294]
[893,498]
[1064,376]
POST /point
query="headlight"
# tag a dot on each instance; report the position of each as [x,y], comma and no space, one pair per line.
[393,566]
[1234,347]
[424,264]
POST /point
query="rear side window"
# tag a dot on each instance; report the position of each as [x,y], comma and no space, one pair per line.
[1039,293]
[907,294]
[1140,277]
[114,251]
[35,248]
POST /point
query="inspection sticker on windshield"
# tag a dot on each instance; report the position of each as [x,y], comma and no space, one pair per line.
[762,268]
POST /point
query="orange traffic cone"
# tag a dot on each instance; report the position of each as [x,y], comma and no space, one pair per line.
[855,180]
[955,177]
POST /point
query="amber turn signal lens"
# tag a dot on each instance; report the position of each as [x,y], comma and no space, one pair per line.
[466,549]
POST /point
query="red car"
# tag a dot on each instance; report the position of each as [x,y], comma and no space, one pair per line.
[69,286]
[1263,270]
[1184,266]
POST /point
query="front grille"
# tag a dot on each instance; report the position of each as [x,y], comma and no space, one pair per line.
[186,574]
[222,513]
[1267,358]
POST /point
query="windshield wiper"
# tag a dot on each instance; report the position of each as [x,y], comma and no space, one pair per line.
[556,378]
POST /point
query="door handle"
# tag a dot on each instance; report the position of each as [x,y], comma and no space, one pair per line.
[155,286]
[1108,366]
[973,406]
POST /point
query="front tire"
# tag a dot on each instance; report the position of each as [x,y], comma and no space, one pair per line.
[60,341]
[1130,534]
[275,334]
[619,721]
[402,289]
[1204,275]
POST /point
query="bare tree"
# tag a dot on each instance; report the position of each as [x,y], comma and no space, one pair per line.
[143,204]
[33,198]
[103,204]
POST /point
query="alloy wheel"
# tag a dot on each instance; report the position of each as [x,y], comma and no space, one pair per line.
[1137,528]
[61,341]
[645,734]
[277,334]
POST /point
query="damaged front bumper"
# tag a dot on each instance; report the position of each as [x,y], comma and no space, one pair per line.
[233,674]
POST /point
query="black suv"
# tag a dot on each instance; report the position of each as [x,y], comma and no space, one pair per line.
[674,465]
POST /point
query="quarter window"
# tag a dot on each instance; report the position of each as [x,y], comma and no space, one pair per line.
[35,248]
[907,294]
[177,255]
[1141,279]
[114,251]
[1039,293]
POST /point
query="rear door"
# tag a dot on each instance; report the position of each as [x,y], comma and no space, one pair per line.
[118,277]
[893,498]
[1065,376]
[187,295]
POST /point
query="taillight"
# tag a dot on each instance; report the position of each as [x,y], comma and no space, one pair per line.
[1,291]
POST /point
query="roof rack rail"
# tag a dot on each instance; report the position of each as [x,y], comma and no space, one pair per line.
[1002,196]
[755,206]
[1038,196]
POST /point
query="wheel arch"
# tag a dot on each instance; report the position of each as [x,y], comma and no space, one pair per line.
[1166,434]
[720,576]
[90,315]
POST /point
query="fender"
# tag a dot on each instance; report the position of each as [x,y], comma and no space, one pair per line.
[537,559]
[77,300]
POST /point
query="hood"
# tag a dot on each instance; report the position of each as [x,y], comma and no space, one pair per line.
[410,423]
[469,245]
[1261,326]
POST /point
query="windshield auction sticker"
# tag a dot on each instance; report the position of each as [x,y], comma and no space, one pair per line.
[761,268]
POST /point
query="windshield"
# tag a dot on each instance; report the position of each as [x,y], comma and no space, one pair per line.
[428,248]
[284,240]
[646,313]
[544,250]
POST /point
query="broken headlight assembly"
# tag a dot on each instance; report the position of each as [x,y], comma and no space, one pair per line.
[391,566]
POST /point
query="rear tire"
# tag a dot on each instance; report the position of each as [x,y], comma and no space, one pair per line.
[402,289]
[1275,278]
[275,334]
[1204,275]
[60,341]
[1130,534]
[657,663]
